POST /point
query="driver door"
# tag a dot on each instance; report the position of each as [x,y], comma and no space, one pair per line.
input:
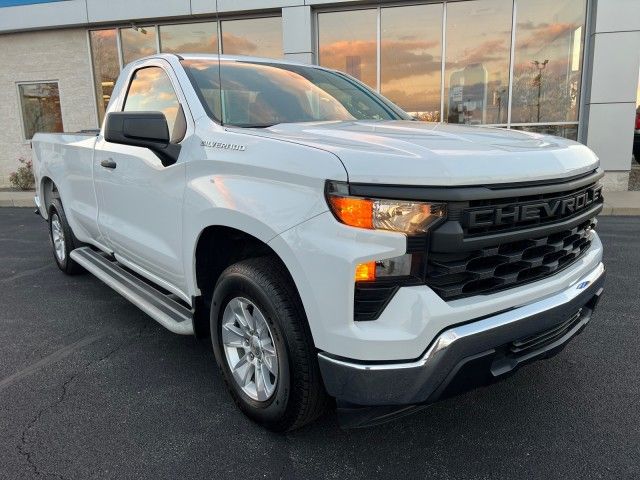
[139,199]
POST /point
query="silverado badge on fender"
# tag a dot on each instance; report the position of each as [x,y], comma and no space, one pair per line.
[223,145]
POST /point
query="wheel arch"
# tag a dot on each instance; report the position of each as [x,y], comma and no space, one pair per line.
[229,245]
[49,191]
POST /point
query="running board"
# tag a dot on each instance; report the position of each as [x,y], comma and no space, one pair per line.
[167,312]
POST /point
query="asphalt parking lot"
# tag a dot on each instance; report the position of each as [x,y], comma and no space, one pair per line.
[90,387]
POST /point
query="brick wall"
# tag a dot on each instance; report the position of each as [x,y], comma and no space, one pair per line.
[60,55]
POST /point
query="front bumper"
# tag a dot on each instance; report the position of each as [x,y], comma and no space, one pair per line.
[469,354]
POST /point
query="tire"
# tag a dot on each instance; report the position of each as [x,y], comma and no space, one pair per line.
[298,396]
[63,241]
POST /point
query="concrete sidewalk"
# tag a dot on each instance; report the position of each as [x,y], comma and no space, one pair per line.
[615,203]
[16,198]
[621,203]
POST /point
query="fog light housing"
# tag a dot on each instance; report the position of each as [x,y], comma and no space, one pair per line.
[389,267]
[394,267]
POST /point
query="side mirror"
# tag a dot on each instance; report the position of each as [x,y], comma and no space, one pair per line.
[142,129]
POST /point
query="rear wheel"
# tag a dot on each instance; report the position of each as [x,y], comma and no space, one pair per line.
[263,345]
[62,239]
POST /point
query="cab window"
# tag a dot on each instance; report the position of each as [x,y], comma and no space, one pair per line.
[150,90]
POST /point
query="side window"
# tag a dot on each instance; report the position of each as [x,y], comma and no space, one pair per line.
[40,104]
[151,91]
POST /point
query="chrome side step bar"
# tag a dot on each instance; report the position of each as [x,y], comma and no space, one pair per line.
[167,312]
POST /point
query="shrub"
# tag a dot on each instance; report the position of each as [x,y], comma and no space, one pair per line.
[23,177]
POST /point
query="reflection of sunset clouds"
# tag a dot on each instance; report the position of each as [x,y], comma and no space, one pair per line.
[347,42]
[257,94]
[255,36]
[335,55]
[269,91]
[235,45]
[106,65]
[151,90]
[478,39]
[415,99]
[548,31]
[136,44]
[411,57]
[189,38]
[408,56]
[200,64]
[492,50]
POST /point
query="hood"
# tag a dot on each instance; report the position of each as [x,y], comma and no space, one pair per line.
[418,153]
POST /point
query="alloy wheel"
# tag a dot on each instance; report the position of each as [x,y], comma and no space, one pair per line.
[57,236]
[249,349]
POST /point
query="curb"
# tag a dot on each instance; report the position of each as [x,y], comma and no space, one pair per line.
[609,211]
[17,198]
[17,203]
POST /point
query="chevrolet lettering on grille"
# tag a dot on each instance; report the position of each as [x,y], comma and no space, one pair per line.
[541,210]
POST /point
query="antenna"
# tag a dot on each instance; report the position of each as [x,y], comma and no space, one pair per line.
[219,26]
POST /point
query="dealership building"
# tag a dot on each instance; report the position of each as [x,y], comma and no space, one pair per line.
[564,67]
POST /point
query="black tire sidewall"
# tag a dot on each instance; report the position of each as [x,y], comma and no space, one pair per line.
[56,209]
[68,266]
[235,284]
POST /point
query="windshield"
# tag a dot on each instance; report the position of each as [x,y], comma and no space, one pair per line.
[265,94]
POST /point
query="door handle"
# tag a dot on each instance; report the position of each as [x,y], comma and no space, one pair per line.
[108,163]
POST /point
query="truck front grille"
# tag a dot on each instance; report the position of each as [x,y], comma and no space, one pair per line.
[505,265]
[493,238]
[547,209]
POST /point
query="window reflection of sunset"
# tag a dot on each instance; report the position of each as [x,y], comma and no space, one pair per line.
[137,43]
[348,43]
[549,30]
[151,90]
[264,94]
[106,66]
[189,38]
[260,37]
[410,57]
[477,64]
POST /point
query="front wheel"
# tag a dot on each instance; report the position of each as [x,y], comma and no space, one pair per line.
[263,346]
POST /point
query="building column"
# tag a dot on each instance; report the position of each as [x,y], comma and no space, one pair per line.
[612,91]
[298,34]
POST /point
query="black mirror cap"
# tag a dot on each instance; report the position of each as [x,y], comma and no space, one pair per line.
[142,129]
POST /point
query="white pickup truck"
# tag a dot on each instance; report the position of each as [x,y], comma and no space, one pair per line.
[326,242]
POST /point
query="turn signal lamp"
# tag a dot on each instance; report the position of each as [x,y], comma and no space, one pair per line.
[365,272]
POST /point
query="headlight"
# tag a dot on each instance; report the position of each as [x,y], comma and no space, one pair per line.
[382,214]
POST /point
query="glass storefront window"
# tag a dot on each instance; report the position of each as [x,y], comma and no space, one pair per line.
[258,37]
[348,42]
[255,36]
[106,66]
[479,77]
[189,38]
[411,58]
[569,131]
[40,104]
[478,40]
[137,43]
[548,60]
